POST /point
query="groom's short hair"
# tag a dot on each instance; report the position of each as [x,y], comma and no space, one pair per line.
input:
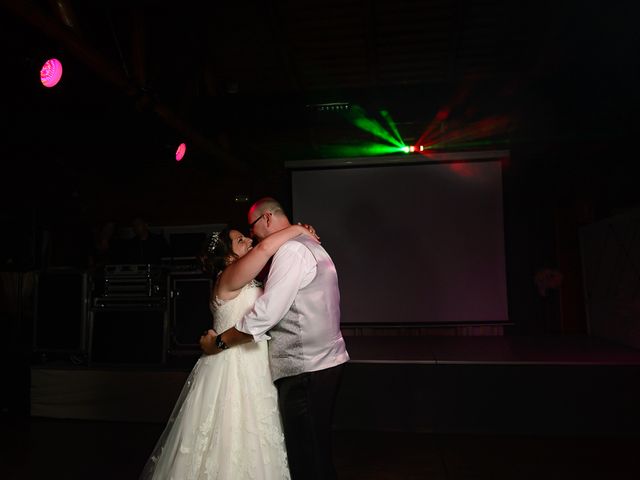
[268,204]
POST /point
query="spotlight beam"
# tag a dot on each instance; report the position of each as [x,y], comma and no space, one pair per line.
[392,125]
[365,149]
[358,117]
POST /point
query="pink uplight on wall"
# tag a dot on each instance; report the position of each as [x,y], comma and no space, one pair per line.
[180,152]
[51,72]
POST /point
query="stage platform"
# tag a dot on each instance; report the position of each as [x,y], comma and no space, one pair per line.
[496,350]
[511,385]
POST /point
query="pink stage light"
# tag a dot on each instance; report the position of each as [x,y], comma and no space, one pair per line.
[180,152]
[51,72]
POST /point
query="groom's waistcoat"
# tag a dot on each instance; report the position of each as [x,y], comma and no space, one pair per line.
[308,338]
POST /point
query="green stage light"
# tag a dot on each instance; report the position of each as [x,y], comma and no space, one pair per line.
[362,150]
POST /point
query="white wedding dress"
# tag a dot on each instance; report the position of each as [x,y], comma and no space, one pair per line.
[226,423]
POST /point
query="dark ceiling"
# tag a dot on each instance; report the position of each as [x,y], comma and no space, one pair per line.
[243,83]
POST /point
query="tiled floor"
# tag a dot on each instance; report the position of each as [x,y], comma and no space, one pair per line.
[45,448]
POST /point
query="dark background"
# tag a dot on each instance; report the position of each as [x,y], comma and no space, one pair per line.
[554,82]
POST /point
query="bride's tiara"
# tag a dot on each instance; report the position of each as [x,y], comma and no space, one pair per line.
[213,243]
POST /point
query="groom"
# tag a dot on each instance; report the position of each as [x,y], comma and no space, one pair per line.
[300,310]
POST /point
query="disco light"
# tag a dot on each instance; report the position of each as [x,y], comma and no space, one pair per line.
[182,149]
[51,72]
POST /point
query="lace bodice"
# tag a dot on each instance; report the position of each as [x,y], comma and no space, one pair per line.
[226,313]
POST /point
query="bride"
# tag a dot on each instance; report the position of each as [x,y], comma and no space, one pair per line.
[225,424]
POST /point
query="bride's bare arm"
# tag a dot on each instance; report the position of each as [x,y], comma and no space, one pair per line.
[232,337]
[245,269]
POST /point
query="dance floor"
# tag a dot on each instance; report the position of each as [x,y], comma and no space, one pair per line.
[409,407]
[83,449]
[513,385]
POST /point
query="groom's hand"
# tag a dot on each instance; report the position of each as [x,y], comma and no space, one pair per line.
[208,342]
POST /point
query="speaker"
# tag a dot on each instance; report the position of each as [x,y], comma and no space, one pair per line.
[61,303]
[190,314]
[128,336]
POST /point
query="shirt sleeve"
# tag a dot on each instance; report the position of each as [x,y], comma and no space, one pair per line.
[293,267]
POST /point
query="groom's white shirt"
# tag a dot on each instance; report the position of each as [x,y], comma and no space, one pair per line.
[300,310]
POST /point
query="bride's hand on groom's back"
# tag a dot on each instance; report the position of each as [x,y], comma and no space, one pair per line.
[310,231]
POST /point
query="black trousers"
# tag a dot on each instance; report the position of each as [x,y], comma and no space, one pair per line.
[306,404]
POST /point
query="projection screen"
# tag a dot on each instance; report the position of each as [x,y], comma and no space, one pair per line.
[412,242]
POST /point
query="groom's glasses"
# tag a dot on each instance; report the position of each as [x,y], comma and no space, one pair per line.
[252,224]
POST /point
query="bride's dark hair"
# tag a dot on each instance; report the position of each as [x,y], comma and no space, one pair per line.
[217,250]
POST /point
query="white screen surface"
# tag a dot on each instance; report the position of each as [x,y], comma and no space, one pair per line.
[412,243]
